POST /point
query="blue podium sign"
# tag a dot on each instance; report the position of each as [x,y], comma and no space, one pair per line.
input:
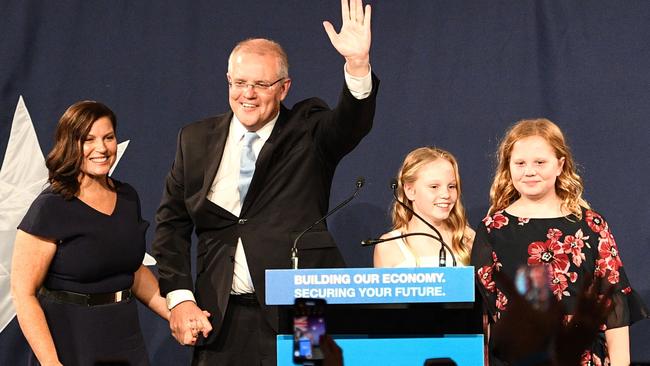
[464,349]
[371,285]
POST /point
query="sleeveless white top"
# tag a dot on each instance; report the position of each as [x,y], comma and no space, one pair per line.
[409,258]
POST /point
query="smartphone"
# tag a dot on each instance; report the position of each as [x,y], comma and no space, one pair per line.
[534,283]
[308,327]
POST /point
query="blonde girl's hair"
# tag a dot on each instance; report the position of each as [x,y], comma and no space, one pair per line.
[457,220]
[568,185]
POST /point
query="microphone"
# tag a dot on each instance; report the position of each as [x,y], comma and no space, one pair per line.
[443,253]
[442,259]
[294,249]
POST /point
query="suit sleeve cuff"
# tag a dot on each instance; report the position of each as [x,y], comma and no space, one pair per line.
[176,297]
[360,87]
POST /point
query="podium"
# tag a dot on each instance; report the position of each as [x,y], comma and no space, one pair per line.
[388,316]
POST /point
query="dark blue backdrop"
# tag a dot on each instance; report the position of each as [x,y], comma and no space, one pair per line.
[454,74]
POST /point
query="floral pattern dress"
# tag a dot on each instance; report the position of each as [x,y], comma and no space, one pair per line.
[570,248]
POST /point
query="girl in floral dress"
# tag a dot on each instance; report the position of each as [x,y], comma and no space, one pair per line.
[538,216]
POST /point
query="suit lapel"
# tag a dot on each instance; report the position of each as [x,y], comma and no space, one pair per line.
[215,143]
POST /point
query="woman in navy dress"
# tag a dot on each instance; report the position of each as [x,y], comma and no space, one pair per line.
[538,217]
[77,262]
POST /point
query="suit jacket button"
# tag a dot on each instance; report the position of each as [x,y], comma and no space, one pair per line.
[242,221]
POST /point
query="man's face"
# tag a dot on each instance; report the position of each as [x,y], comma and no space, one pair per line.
[253,105]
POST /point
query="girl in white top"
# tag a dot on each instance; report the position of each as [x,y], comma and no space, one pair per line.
[429,183]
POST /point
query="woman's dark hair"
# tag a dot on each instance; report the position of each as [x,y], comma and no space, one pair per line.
[64,161]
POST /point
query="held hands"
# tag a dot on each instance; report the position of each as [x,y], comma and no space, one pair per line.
[187,321]
[353,41]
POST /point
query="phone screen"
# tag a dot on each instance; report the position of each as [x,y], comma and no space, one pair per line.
[533,282]
[308,327]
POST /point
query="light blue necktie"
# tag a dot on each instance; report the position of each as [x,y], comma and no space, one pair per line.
[246,164]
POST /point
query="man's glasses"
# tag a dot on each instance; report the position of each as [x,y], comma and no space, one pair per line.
[259,85]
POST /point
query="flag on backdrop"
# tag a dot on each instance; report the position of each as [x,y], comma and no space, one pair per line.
[22,177]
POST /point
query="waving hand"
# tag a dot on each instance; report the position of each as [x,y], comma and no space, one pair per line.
[353,41]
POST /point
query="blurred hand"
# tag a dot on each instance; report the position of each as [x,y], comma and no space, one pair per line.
[522,329]
[333,355]
[592,309]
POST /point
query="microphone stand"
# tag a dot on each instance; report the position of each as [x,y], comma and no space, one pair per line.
[442,259]
[294,249]
[443,253]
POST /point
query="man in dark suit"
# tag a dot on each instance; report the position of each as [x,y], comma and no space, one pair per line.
[247,182]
